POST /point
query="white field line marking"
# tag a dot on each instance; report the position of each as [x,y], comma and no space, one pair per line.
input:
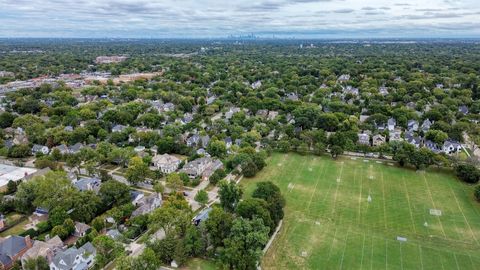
[470,257]
[409,205]
[456,261]
[401,259]
[363,248]
[322,174]
[371,256]
[386,254]
[344,249]
[384,206]
[421,257]
[336,191]
[359,195]
[463,214]
[331,246]
[440,259]
[433,204]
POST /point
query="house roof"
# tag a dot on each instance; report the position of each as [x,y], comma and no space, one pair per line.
[81,227]
[10,247]
[66,259]
[165,159]
[85,184]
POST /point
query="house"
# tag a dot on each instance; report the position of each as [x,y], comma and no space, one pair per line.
[205,140]
[166,163]
[136,196]
[81,229]
[193,140]
[292,96]
[202,216]
[383,90]
[148,204]
[211,99]
[228,142]
[12,249]
[118,128]
[74,149]
[196,167]
[426,125]
[364,138]
[450,147]
[262,113]
[214,165]
[463,109]
[391,123]
[37,148]
[412,139]
[343,78]
[412,125]
[62,148]
[90,184]
[74,259]
[351,90]
[43,249]
[256,84]
[363,118]
[272,115]
[114,234]
[378,140]
[68,129]
[432,146]
[187,118]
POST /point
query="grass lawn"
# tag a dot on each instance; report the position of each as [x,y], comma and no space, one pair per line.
[17,229]
[330,224]
[200,264]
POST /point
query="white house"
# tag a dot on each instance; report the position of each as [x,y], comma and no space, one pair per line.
[166,163]
[74,259]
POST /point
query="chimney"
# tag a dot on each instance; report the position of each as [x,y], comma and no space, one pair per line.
[28,241]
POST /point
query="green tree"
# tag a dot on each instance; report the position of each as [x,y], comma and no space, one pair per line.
[272,195]
[243,247]
[137,171]
[230,195]
[218,225]
[114,193]
[60,231]
[477,193]
[174,182]
[335,151]
[201,197]
[467,173]
[217,148]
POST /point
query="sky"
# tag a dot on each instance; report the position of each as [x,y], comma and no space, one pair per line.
[221,18]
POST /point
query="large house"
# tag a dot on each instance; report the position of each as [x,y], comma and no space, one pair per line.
[166,163]
[37,148]
[426,125]
[450,147]
[12,249]
[45,249]
[198,166]
[378,140]
[91,184]
[74,258]
[391,124]
[364,138]
[147,204]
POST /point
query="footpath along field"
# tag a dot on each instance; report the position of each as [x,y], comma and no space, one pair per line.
[362,214]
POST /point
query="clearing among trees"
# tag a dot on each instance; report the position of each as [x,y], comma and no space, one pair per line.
[330,224]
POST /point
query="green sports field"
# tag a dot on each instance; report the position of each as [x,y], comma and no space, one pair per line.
[330,223]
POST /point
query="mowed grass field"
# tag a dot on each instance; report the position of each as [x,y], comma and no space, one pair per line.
[330,224]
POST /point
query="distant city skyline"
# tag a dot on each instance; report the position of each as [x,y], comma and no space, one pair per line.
[220,19]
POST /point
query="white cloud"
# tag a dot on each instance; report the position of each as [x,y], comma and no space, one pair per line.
[219,18]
